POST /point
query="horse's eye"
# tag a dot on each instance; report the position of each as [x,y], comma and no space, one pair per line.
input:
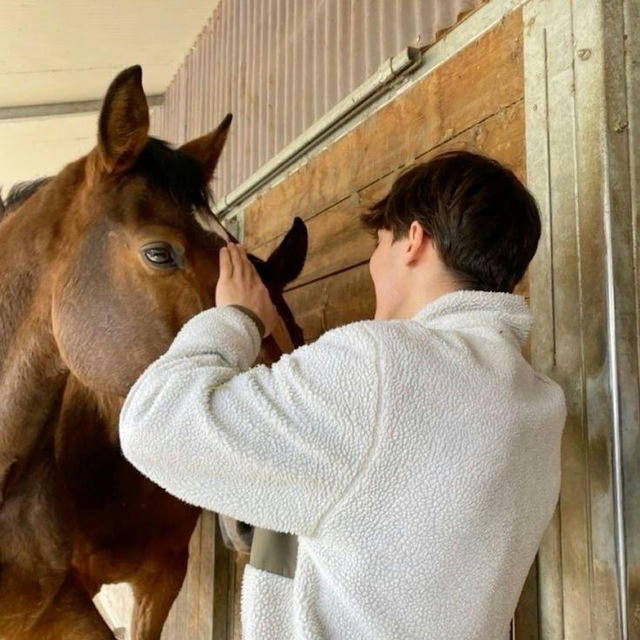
[161,255]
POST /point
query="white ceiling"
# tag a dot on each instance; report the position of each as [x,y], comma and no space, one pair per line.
[66,51]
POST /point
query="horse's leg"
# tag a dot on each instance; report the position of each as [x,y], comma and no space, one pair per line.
[155,587]
[72,616]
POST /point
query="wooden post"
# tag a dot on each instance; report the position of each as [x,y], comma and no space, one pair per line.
[580,123]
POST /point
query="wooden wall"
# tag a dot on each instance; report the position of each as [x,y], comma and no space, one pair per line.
[192,614]
[473,101]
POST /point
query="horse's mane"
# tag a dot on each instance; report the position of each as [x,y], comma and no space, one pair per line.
[20,193]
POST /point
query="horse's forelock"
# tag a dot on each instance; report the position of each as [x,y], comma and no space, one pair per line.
[175,173]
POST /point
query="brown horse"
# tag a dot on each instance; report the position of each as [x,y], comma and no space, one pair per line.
[99,268]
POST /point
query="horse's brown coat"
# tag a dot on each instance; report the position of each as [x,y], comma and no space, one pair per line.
[83,314]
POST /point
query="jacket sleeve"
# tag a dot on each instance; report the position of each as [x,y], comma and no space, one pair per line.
[274,447]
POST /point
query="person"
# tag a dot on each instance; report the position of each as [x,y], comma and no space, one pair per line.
[416,456]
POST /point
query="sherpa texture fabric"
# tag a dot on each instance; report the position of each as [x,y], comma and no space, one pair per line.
[417,460]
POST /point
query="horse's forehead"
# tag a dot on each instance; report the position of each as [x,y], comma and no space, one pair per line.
[134,201]
[209,222]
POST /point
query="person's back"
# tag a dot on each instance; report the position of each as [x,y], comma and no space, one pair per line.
[436,537]
[416,457]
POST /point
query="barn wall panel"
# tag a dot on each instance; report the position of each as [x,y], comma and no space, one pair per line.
[279,65]
[467,89]
[474,101]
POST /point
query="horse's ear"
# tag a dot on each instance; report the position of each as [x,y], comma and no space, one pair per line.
[207,148]
[123,127]
[287,260]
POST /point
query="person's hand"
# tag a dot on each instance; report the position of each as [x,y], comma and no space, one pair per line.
[239,283]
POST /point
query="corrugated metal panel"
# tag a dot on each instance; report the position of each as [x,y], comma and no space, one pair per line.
[279,65]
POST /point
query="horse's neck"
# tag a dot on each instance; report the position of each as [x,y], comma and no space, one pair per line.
[87,431]
[89,413]
[31,372]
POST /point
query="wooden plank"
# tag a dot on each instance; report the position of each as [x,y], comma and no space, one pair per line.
[337,239]
[525,621]
[597,191]
[191,582]
[484,78]
[631,429]
[179,617]
[550,587]
[222,588]
[332,302]
[569,330]
[205,581]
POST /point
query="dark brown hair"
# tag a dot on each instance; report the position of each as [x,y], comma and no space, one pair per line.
[484,222]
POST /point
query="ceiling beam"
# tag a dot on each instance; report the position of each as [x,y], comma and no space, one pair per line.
[62,108]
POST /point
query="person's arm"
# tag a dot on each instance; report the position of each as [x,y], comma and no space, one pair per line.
[276,448]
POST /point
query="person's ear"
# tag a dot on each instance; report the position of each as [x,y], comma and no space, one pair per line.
[417,240]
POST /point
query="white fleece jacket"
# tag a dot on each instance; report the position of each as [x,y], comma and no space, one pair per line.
[417,460]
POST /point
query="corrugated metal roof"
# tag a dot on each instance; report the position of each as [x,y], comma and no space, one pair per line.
[279,65]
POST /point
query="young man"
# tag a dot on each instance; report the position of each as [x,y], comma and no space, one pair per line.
[415,456]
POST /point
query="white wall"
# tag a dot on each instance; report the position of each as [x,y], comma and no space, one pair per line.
[31,148]
[35,147]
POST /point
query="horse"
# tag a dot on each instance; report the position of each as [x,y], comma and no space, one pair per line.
[100,266]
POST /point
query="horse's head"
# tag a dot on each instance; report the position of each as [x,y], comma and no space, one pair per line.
[139,262]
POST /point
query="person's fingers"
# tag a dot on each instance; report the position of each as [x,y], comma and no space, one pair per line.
[250,270]
[242,261]
[226,266]
[236,261]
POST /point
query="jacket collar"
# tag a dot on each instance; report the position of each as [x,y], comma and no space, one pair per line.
[468,309]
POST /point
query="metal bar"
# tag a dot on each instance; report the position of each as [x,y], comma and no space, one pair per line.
[616,420]
[377,83]
[63,108]
[618,23]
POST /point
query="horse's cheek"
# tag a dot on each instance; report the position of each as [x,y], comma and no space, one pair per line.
[101,345]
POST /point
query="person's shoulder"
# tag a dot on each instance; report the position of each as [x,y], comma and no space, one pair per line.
[554,390]
[352,333]
[365,330]
[378,334]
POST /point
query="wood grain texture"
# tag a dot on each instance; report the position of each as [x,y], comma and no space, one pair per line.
[337,239]
[192,612]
